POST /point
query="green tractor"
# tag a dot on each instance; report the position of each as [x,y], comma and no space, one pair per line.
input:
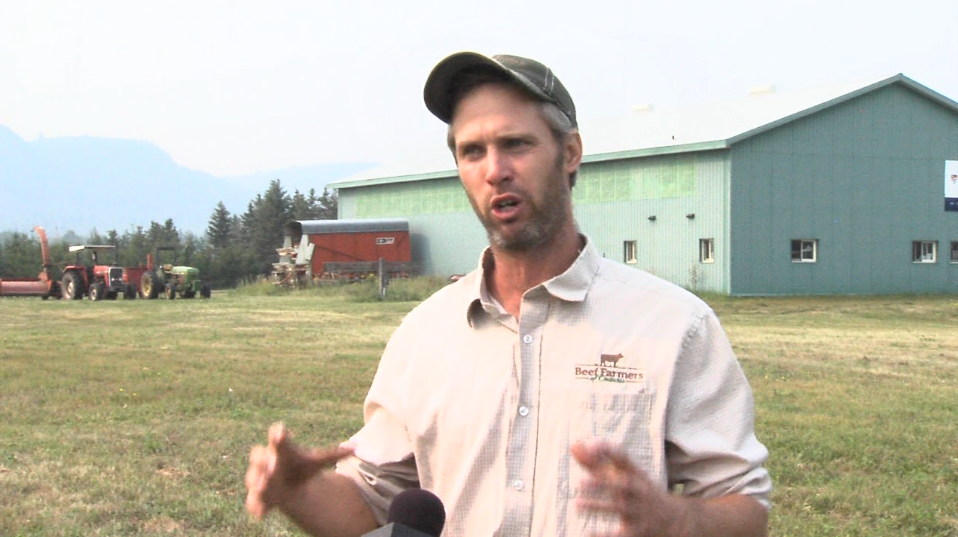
[169,279]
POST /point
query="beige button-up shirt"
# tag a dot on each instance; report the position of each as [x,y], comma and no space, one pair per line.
[481,409]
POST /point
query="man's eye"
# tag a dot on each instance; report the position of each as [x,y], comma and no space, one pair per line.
[515,143]
[469,151]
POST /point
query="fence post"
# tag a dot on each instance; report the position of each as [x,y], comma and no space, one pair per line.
[382,280]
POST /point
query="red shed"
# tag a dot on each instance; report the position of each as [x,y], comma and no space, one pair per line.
[346,243]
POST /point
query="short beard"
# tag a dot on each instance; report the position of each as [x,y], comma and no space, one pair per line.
[546,220]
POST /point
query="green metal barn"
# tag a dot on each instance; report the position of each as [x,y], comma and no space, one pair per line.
[835,190]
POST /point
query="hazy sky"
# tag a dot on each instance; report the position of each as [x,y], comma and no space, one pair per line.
[233,87]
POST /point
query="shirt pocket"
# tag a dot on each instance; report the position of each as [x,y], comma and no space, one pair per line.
[622,420]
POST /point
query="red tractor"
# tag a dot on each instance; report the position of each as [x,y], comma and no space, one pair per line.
[97,281]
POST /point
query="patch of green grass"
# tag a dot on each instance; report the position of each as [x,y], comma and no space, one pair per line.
[857,400]
[136,417]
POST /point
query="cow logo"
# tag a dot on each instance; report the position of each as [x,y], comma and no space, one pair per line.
[607,369]
[610,359]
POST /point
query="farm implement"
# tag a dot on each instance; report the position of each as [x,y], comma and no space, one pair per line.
[43,286]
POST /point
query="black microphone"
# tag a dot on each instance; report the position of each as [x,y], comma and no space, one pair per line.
[413,513]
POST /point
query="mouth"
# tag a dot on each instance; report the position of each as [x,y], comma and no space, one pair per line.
[505,206]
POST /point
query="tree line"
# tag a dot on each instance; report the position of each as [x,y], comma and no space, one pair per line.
[234,248]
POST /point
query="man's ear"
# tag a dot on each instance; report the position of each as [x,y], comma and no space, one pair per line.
[573,151]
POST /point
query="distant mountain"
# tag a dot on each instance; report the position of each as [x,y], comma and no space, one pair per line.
[85,183]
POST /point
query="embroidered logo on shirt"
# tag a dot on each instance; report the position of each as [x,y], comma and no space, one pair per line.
[608,370]
[610,359]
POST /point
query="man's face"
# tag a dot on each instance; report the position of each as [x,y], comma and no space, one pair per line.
[515,173]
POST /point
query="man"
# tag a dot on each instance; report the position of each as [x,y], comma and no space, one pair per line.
[550,392]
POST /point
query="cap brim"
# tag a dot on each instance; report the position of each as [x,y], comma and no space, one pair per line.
[437,92]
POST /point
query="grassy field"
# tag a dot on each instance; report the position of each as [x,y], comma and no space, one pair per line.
[136,417]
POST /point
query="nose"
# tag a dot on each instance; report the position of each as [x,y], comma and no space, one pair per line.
[498,167]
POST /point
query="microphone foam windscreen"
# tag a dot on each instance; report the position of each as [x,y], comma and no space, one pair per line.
[418,509]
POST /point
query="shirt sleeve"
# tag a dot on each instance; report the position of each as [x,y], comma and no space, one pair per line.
[711,448]
[383,464]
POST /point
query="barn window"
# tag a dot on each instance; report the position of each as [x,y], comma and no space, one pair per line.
[707,250]
[924,251]
[629,249]
[954,251]
[804,250]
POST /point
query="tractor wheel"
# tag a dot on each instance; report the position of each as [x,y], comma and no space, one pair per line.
[72,286]
[150,285]
[205,291]
[97,291]
[129,292]
[171,290]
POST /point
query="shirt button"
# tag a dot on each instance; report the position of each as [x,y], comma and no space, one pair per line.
[527,338]
[523,411]
[518,484]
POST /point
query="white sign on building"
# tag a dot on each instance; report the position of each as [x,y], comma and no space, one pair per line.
[951,185]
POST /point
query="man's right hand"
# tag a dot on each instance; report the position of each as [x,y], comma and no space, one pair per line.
[279,469]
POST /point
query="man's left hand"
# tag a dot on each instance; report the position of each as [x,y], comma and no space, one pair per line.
[616,486]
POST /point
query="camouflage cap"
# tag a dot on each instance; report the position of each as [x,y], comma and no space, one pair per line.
[531,75]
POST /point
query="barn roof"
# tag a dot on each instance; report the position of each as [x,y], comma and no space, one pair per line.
[679,130]
[314,227]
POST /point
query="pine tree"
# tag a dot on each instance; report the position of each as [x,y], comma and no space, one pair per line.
[328,205]
[137,246]
[21,256]
[163,235]
[191,245]
[95,238]
[248,219]
[237,230]
[301,207]
[220,227]
[170,232]
[265,220]
[71,238]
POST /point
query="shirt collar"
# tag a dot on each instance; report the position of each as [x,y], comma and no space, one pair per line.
[571,286]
